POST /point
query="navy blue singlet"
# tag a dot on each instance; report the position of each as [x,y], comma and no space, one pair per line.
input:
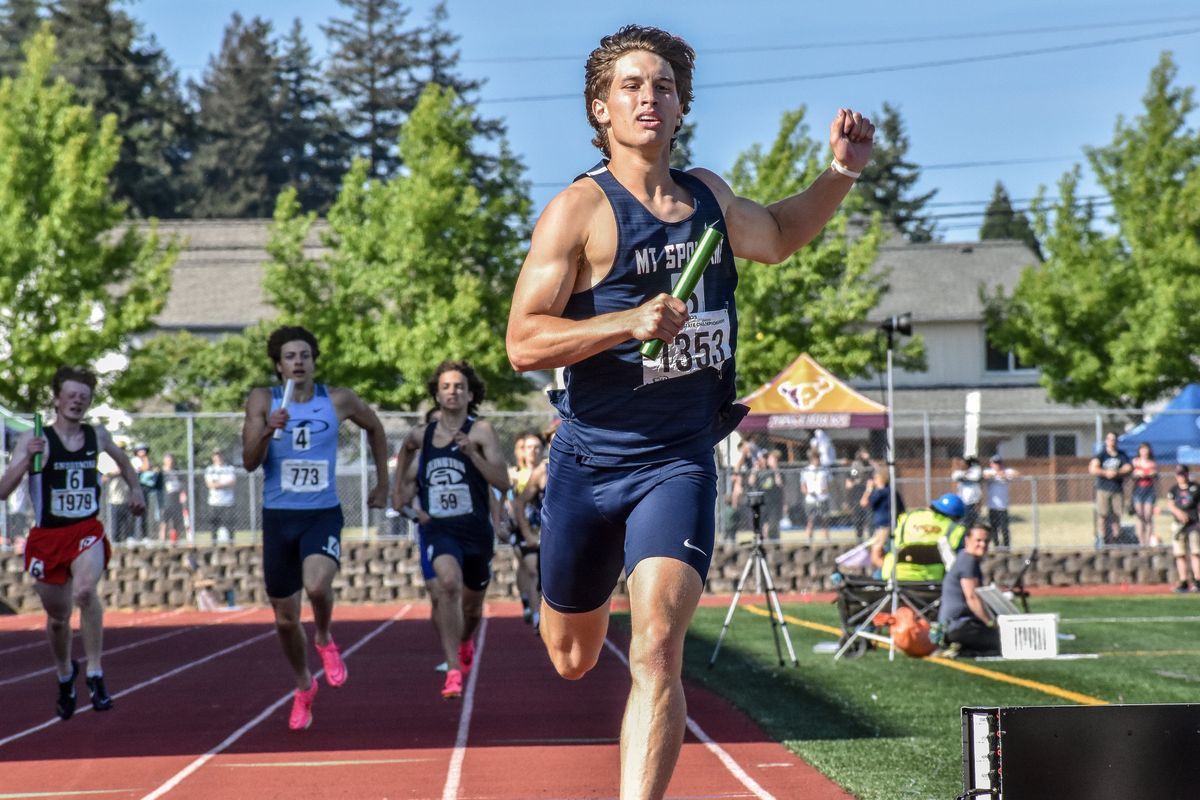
[619,410]
[453,492]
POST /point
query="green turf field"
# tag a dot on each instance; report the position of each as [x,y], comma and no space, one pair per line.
[892,730]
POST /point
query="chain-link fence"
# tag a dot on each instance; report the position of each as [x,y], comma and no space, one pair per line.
[1048,494]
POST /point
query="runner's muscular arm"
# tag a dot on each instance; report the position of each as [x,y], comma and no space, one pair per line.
[352,407]
[260,425]
[538,336]
[405,483]
[137,500]
[770,234]
[22,458]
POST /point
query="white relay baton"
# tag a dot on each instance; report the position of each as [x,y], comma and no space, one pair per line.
[283,404]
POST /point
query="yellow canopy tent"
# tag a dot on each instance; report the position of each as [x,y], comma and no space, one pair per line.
[806,395]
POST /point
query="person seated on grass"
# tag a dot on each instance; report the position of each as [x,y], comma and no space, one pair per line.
[968,628]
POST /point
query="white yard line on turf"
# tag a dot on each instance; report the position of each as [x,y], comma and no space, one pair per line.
[131,646]
[182,775]
[143,684]
[734,768]
[1110,620]
[454,773]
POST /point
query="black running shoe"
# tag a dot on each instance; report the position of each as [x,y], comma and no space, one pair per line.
[101,701]
[65,707]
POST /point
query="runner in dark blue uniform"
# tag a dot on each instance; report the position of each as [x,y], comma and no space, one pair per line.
[67,549]
[459,457]
[302,515]
[631,481]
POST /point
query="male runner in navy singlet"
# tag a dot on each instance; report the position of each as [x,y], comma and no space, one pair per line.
[67,550]
[302,515]
[459,456]
[631,480]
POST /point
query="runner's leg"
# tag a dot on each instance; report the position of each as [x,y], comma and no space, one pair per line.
[56,600]
[86,570]
[448,609]
[574,641]
[319,571]
[292,638]
[663,595]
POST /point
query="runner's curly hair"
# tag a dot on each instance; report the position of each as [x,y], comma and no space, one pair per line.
[598,73]
[289,333]
[475,384]
[77,374]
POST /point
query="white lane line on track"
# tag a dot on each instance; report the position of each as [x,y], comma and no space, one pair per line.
[58,795]
[87,707]
[345,762]
[131,646]
[41,625]
[42,642]
[182,775]
[734,768]
[454,773]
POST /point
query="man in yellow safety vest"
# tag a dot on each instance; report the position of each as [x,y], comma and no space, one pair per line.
[926,541]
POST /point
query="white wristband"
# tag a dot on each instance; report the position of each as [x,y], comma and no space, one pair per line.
[838,166]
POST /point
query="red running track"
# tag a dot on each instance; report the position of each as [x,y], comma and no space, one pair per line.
[202,703]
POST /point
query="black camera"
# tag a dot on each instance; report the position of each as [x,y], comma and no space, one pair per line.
[754,499]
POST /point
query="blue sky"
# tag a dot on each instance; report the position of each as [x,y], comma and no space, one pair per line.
[1020,120]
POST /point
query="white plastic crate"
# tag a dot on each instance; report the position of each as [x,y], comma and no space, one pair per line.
[1028,635]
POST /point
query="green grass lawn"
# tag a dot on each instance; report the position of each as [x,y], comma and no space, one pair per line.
[887,730]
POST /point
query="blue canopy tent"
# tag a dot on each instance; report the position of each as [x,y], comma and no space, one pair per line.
[1173,433]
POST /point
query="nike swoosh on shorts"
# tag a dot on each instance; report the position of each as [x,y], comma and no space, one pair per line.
[688,543]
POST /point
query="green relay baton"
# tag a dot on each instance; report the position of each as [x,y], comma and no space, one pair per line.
[37,431]
[688,281]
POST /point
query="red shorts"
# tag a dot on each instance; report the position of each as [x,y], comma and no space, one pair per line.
[50,551]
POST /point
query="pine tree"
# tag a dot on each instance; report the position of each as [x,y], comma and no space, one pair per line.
[74,286]
[1001,221]
[19,19]
[371,72]
[237,164]
[314,148]
[888,179]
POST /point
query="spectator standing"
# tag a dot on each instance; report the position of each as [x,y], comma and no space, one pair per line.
[151,480]
[766,478]
[1111,467]
[815,479]
[858,484]
[174,504]
[998,477]
[824,446]
[968,479]
[1145,491]
[121,519]
[221,480]
[879,501]
[1183,499]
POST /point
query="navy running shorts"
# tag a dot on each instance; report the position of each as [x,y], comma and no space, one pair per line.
[598,520]
[291,535]
[423,550]
[474,557]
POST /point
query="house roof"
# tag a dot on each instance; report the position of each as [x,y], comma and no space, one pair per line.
[217,283]
[940,282]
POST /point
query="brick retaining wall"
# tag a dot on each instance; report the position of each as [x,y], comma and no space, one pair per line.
[380,572]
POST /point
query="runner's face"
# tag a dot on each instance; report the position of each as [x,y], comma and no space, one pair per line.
[296,361]
[452,391]
[642,106]
[73,401]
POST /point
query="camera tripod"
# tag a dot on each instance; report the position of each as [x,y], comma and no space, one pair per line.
[759,563]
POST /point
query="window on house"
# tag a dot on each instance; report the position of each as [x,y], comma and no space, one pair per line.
[997,360]
[1041,445]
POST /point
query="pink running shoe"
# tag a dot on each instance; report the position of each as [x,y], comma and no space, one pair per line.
[466,655]
[301,716]
[453,688]
[331,660]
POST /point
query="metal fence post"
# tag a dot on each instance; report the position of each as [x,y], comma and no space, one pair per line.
[363,486]
[1033,500]
[251,481]
[191,467]
[928,437]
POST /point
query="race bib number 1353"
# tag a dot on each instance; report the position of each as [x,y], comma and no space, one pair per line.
[703,342]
